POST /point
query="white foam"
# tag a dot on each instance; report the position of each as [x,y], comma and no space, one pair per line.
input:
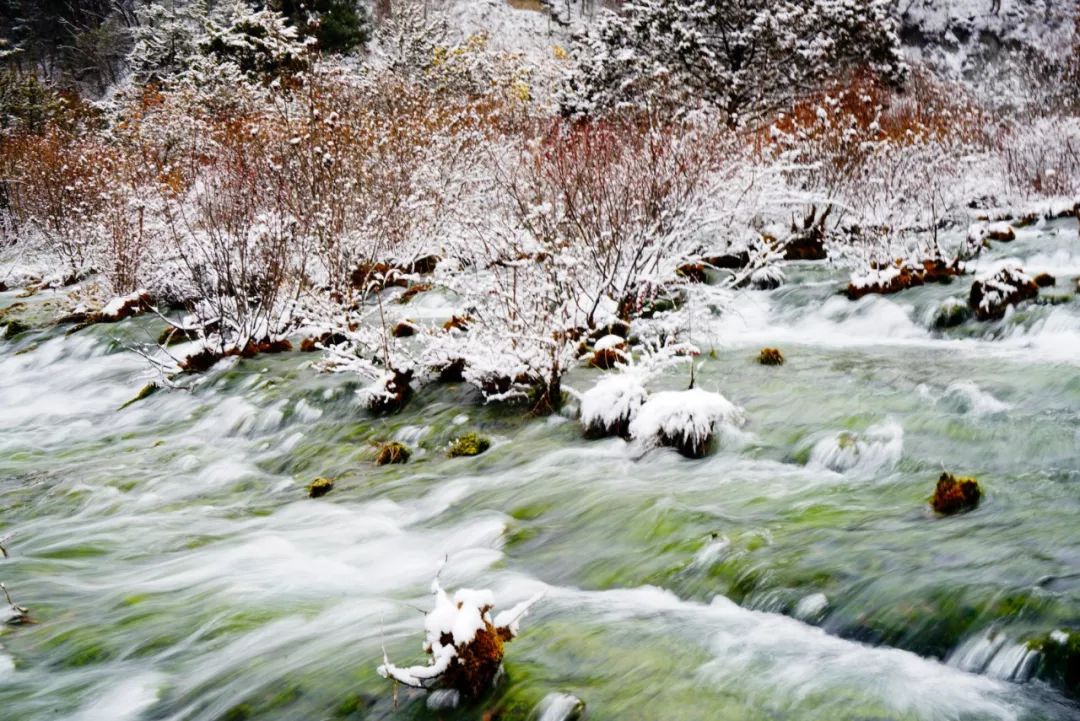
[968,397]
[879,446]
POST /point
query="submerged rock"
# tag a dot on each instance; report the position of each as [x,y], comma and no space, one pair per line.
[992,294]
[955,494]
[470,444]
[392,452]
[320,487]
[770,357]
[558,707]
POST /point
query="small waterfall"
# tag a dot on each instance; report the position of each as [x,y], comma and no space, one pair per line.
[993,654]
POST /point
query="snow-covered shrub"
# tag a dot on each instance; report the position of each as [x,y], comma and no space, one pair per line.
[607,205]
[464,641]
[55,192]
[415,43]
[686,420]
[1041,158]
[165,40]
[741,57]
[234,236]
[260,43]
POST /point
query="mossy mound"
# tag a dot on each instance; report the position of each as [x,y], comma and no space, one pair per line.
[955,494]
[1060,660]
[771,357]
[951,313]
[320,487]
[470,444]
[392,452]
[12,328]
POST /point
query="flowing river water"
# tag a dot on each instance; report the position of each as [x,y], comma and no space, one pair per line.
[176,569]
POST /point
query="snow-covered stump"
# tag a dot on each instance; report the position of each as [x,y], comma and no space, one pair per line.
[464,642]
[608,408]
[686,420]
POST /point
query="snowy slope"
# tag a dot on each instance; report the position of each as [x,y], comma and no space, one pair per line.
[963,36]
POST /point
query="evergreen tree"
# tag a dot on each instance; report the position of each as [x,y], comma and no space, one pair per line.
[739,56]
[339,26]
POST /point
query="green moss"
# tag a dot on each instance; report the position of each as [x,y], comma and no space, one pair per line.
[353,705]
[1060,663]
[147,390]
[951,313]
[240,712]
[13,328]
[470,444]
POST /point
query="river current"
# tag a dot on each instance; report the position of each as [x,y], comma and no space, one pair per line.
[176,569]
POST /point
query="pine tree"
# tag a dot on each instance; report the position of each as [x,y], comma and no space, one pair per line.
[741,57]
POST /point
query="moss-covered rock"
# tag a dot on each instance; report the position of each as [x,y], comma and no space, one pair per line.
[771,357]
[951,313]
[320,487]
[470,444]
[955,494]
[392,452]
[12,328]
[1059,663]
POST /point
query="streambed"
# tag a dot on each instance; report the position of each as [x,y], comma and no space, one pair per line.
[177,570]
